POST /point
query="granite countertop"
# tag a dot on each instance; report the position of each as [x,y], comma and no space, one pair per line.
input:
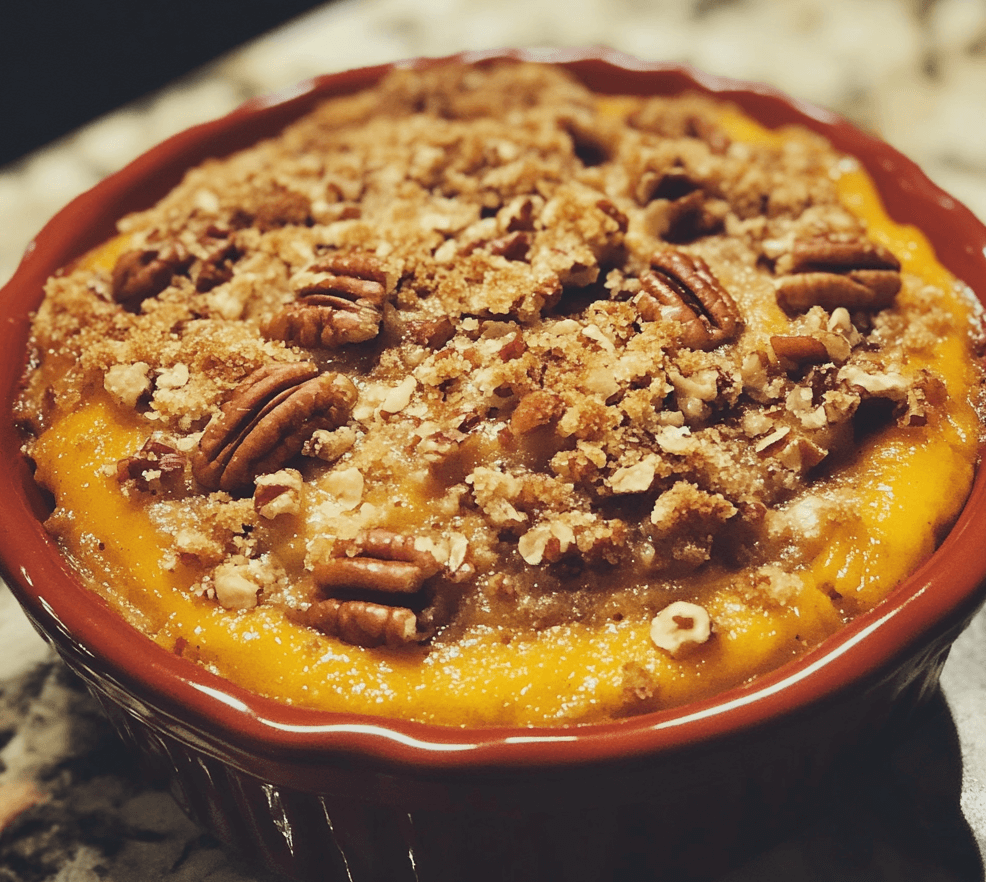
[72,806]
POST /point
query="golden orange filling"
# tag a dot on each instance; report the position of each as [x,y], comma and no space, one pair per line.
[589,579]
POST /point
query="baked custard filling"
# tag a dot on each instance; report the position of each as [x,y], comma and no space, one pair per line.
[477,398]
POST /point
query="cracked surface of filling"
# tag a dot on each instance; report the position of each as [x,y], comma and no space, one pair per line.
[477,398]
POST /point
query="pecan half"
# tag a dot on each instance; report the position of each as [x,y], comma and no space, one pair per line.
[868,290]
[386,562]
[361,622]
[378,562]
[840,256]
[680,287]
[340,300]
[830,273]
[267,421]
[146,272]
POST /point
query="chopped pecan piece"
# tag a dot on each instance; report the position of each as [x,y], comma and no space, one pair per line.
[386,562]
[361,622]
[535,409]
[515,347]
[830,273]
[217,267]
[157,458]
[521,214]
[421,329]
[800,349]
[609,209]
[340,300]
[925,397]
[513,246]
[146,272]
[278,493]
[681,288]
[267,421]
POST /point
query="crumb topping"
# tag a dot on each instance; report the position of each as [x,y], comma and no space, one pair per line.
[495,351]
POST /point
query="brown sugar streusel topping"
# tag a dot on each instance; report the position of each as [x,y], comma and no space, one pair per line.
[478,346]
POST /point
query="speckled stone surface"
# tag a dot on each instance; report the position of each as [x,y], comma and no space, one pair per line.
[72,805]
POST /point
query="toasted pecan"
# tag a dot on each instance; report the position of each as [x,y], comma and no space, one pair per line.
[832,272]
[339,300]
[681,287]
[267,420]
[361,622]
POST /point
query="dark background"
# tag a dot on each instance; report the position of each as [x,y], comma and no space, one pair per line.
[65,62]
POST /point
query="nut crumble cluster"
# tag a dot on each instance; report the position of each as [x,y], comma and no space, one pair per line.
[479,348]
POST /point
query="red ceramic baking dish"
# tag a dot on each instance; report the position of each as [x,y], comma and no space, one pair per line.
[336,796]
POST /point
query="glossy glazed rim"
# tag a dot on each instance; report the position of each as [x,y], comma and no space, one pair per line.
[926,611]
